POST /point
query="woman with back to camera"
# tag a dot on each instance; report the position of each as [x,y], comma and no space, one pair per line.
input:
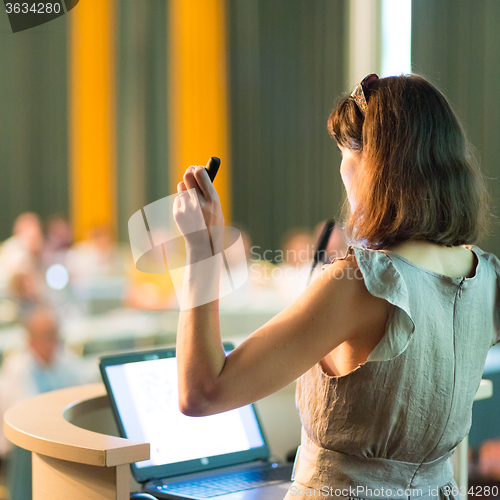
[390,341]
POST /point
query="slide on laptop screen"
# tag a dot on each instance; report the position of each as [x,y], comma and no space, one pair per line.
[227,450]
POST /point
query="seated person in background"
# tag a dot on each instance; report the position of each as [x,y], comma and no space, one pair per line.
[259,290]
[149,287]
[98,256]
[23,249]
[43,366]
[337,245]
[28,291]
[149,291]
[295,266]
[97,274]
[58,241]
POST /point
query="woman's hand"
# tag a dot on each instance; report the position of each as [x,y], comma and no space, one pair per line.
[187,205]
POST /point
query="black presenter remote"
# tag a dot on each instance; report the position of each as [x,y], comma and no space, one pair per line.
[213,167]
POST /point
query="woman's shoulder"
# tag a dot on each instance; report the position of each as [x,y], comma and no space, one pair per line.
[487,256]
[345,277]
[375,291]
[357,274]
[488,264]
[359,268]
[372,267]
[353,275]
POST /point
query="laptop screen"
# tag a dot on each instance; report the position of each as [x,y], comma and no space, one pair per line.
[144,395]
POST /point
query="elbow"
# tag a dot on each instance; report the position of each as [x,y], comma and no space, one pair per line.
[190,408]
[197,403]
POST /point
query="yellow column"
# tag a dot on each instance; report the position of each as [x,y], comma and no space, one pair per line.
[92,116]
[198,101]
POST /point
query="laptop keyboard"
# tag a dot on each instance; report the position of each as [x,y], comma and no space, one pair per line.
[227,483]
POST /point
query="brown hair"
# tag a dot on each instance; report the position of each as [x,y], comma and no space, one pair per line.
[418,178]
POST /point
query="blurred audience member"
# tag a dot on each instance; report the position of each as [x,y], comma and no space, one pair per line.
[258,291]
[97,256]
[337,245]
[489,459]
[97,273]
[58,241]
[43,366]
[297,248]
[149,291]
[150,287]
[295,263]
[23,249]
[28,291]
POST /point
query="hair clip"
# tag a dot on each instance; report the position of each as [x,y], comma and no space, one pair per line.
[361,93]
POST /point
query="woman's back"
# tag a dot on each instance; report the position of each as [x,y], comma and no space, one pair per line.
[452,262]
[455,262]
[412,401]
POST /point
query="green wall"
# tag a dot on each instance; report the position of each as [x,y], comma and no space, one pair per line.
[286,59]
[33,121]
[286,71]
[142,114]
[456,45]
[34,135]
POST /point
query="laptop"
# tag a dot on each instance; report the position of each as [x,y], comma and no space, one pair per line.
[223,456]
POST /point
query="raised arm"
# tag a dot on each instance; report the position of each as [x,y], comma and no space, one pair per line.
[335,308]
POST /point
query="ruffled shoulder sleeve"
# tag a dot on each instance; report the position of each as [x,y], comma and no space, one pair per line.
[383,279]
[494,264]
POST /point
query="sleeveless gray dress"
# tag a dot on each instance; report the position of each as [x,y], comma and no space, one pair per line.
[388,428]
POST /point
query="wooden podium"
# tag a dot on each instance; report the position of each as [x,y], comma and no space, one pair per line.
[72,462]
